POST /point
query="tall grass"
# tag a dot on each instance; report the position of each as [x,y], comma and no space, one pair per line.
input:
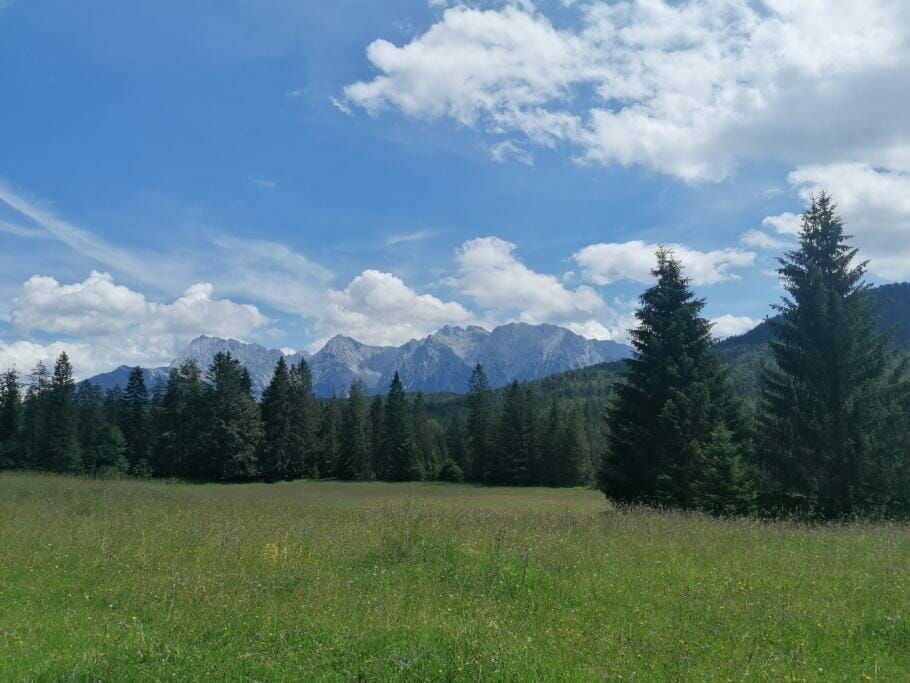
[121,580]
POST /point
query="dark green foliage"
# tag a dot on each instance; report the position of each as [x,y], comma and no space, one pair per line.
[232,424]
[481,426]
[328,439]
[830,396]
[11,450]
[376,425]
[515,446]
[354,451]
[450,471]
[179,425]
[60,450]
[135,422]
[574,454]
[399,452]
[673,398]
[276,449]
[304,422]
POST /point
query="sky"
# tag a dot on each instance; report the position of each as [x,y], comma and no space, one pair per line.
[281,171]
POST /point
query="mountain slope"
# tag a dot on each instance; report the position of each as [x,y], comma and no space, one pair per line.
[441,362]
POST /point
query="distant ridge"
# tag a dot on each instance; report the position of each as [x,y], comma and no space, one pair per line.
[440,362]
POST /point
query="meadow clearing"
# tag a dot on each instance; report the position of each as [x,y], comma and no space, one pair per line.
[129,580]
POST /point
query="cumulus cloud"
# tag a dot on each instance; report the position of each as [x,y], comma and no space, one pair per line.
[689,89]
[731,325]
[507,290]
[379,308]
[759,239]
[875,204]
[607,263]
[106,324]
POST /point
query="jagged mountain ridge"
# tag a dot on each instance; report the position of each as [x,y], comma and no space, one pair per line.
[440,362]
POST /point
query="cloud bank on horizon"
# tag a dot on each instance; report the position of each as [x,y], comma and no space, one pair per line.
[697,92]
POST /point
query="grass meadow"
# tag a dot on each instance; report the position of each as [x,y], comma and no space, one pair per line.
[128,580]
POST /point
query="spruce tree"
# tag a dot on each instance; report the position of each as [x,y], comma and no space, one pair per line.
[34,421]
[305,419]
[233,427]
[134,422]
[672,398]
[827,399]
[277,421]
[399,450]
[328,441]
[377,420]
[61,437]
[549,467]
[354,448]
[481,428]
[10,420]
[180,425]
[575,453]
[513,453]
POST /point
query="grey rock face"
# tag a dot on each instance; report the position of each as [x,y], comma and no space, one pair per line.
[441,362]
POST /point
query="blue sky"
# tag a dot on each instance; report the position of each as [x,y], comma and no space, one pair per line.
[284,171]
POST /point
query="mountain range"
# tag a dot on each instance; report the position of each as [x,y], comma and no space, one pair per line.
[440,362]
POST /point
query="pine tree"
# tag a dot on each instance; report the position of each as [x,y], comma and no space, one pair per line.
[305,419]
[180,425]
[10,420]
[34,422]
[134,423]
[481,425]
[399,450]
[549,467]
[826,401]
[277,421]
[90,418]
[514,449]
[674,395]
[575,453]
[377,420]
[354,451]
[61,438]
[233,427]
[329,440]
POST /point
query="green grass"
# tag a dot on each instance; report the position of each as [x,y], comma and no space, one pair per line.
[123,580]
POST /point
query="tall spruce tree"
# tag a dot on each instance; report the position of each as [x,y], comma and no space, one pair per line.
[180,425]
[233,427]
[277,420]
[481,428]
[61,436]
[827,401]
[673,397]
[514,449]
[305,418]
[34,421]
[135,422]
[10,420]
[575,452]
[377,420]
[399,450]
[354,448]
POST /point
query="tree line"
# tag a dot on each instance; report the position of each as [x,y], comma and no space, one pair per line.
[828,435]
[206,426]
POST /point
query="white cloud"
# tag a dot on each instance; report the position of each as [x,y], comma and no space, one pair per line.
[875,204]
[504,151]
[784,224]
[507,290]
[20,231]
[731,325]
[606,263]
[264,183]
[762,240]
[379,308]
[402,238]
[489,273]
[108,324]
[689,88]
